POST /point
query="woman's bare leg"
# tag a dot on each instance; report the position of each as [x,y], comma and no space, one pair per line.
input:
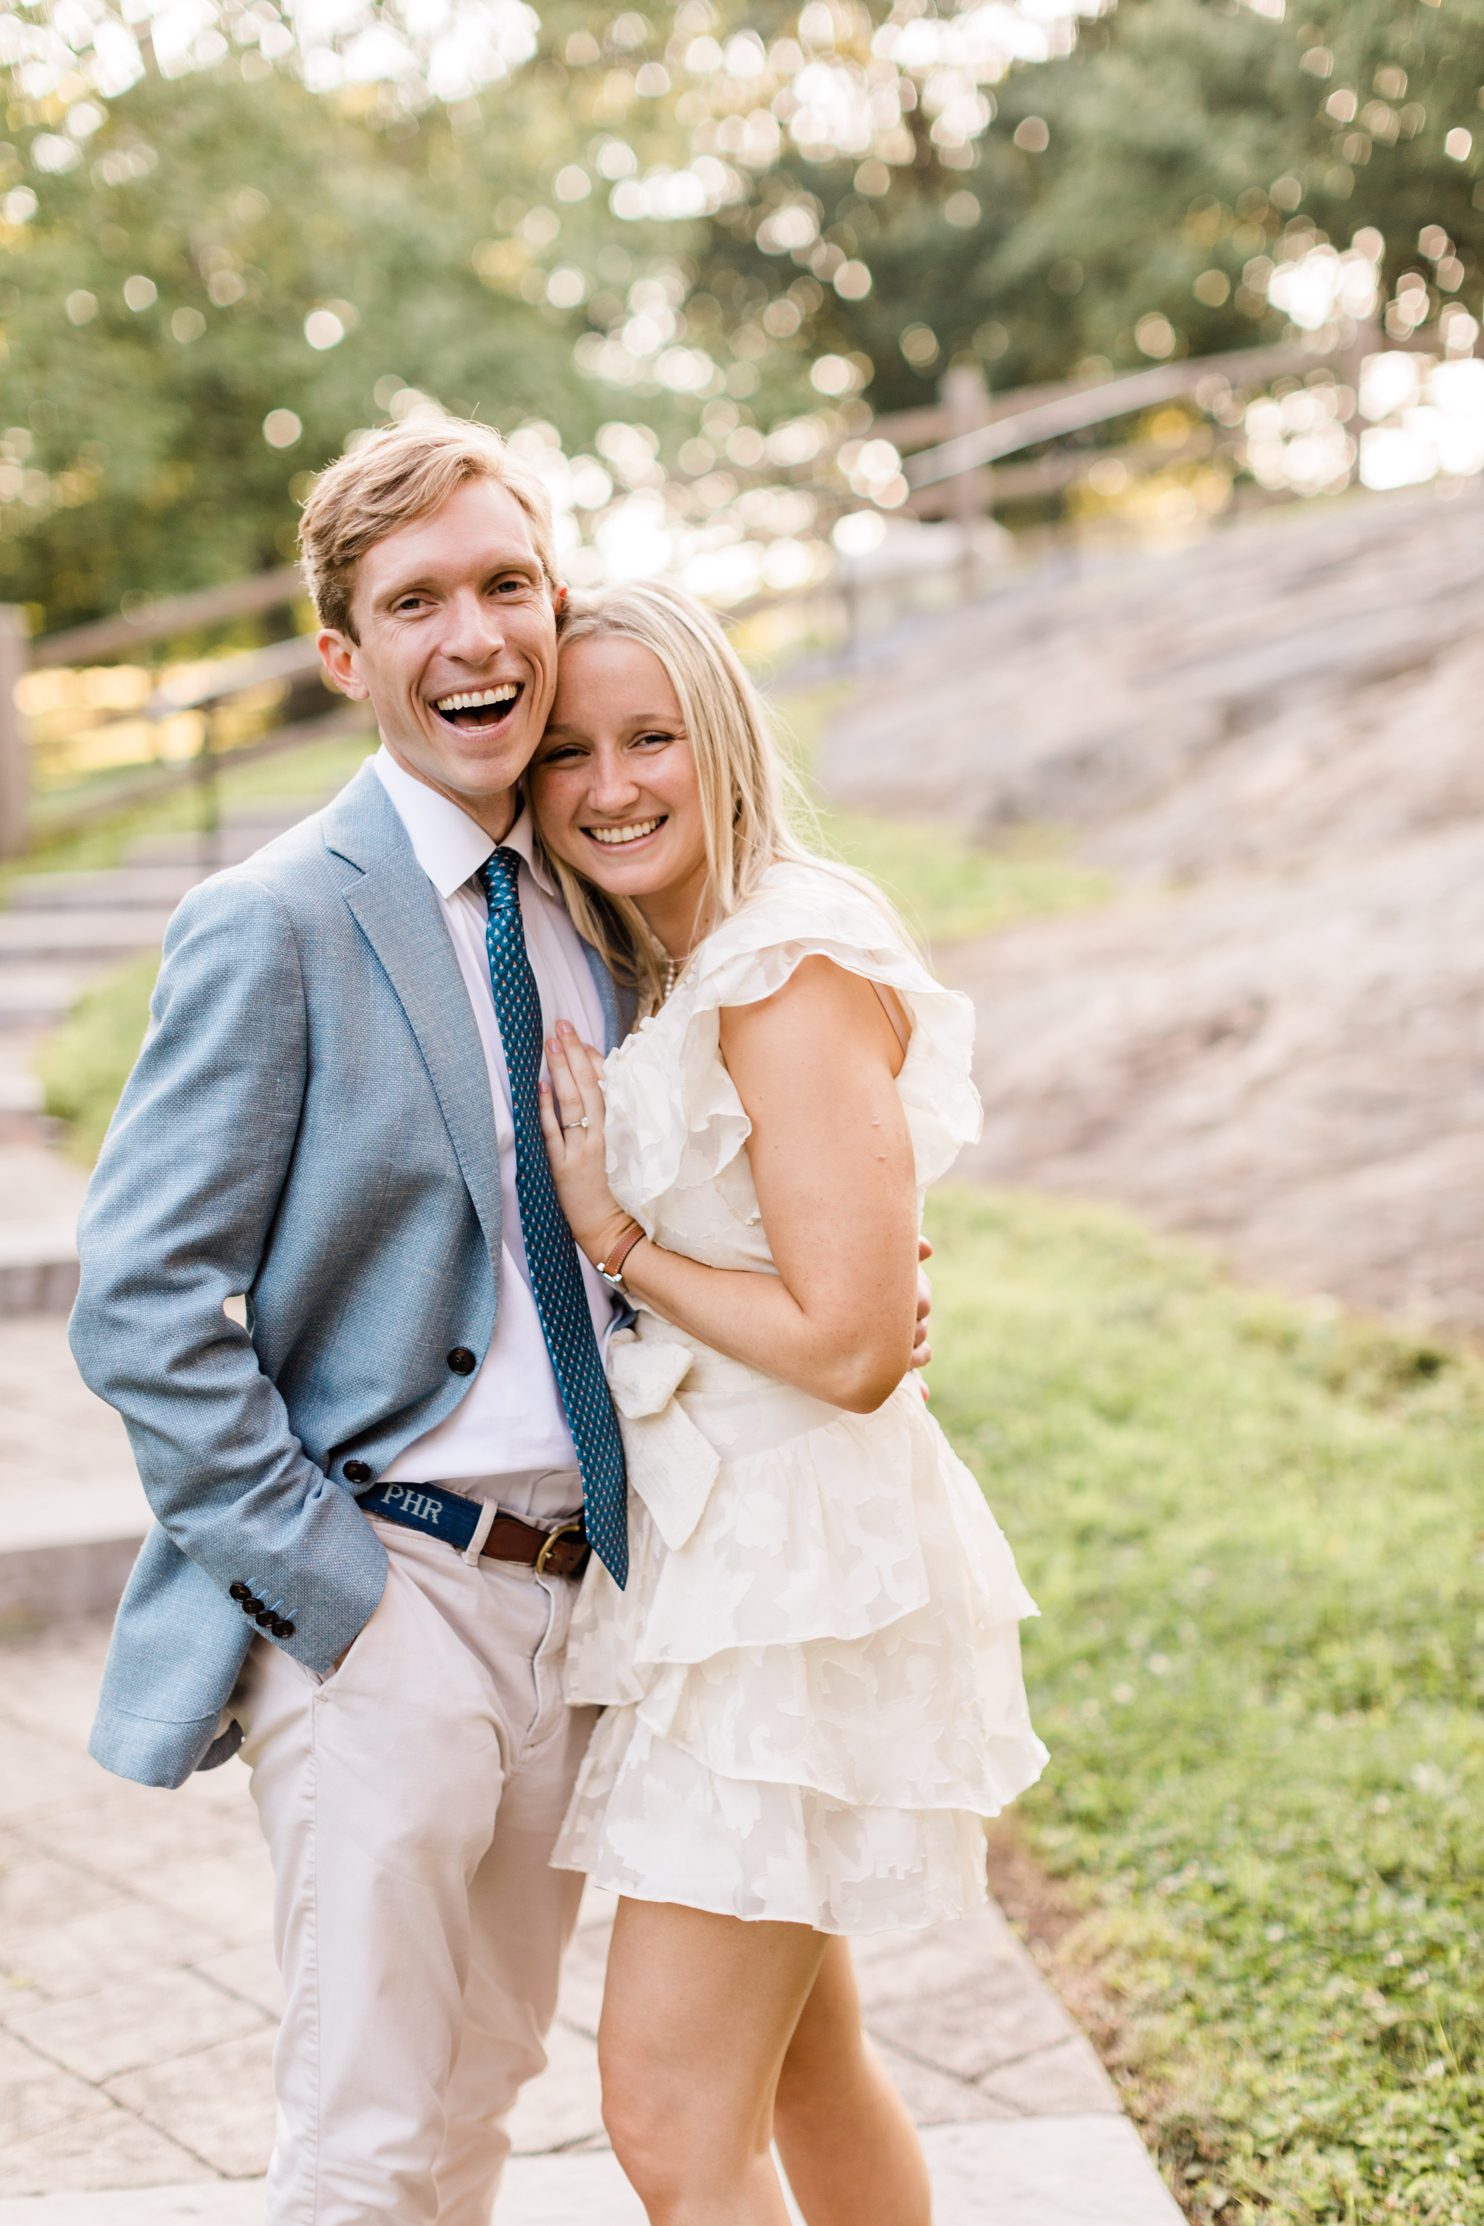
[848,2145]
[698,2011]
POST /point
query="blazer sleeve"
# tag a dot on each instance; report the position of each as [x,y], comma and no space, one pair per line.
[176,1221]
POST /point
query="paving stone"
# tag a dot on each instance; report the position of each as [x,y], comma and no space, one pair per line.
[217,2103]
[35,2095]
[160,1828]
[904,1966]
[1090,2171]
[1064,2172]
[582,1977]
[169,1993]
[117,1941]
[150,2018]
[564,2106]
[58,1689]
[935,2097]
[38,1889]
[106,2150]
[249,1973]
[1064,2080]
[227,1895]
[37,1773]
[986,2020]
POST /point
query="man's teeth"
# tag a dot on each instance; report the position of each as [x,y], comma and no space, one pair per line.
[478,698]
[615,835]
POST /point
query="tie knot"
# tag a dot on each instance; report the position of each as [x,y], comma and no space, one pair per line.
[499,875]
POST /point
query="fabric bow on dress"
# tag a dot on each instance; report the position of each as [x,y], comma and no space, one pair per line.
[672,1466]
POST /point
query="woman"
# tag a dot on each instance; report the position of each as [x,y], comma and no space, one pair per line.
[812,1678]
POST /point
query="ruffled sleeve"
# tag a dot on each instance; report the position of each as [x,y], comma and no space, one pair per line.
[675,1120]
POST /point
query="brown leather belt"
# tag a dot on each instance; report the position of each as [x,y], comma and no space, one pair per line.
[551,1553]
[436,1513]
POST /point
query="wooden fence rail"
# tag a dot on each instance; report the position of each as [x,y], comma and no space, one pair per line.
[957,441]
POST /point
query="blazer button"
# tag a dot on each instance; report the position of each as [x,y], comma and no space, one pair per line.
[357,1472]
[251,1606]
[462,1361]
[282,1628]
[237,1592]
[262,1619]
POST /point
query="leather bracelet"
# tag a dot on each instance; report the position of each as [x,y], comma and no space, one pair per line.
[611,1269]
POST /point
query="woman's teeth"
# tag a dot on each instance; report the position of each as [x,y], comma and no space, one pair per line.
[612,837]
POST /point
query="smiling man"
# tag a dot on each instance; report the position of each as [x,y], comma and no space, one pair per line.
[373,1500]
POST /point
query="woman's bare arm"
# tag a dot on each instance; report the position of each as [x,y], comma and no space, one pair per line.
[814,1066]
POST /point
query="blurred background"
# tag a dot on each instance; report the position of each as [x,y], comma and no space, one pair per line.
[1078,410]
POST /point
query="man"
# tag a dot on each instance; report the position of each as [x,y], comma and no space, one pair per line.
[326,1118]
[334,1115]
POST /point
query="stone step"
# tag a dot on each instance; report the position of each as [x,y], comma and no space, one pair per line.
[237,838]
[41,990]
[20,1089]
[100,933]
[1074,2171]
[71,1510]
[114,888]
[42,1195]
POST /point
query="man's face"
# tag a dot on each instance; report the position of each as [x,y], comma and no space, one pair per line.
[457,653]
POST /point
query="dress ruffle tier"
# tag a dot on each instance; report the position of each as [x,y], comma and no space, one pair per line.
[812,1681]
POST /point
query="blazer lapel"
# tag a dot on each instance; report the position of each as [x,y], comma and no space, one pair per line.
[396,909]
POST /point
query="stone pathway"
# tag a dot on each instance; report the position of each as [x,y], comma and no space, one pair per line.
[138,1998]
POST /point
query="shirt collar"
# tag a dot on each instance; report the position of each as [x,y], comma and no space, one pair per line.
[449,845]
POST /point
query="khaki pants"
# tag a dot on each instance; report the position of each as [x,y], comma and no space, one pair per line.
[410,1801]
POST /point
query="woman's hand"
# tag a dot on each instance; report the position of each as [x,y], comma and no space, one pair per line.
[572,1124]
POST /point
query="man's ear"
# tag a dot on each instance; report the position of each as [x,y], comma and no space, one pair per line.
[338,656]
[558,593]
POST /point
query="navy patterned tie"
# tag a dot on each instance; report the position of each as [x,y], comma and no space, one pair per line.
[551,1255]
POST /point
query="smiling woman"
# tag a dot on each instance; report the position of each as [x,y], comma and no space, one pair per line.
[618,787]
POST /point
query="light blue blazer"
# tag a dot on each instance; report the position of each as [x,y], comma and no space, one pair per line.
[309,1124]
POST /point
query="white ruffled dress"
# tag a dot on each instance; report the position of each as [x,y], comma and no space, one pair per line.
[811,1683]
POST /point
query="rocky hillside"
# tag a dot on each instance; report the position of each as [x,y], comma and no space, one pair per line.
[1275,1037]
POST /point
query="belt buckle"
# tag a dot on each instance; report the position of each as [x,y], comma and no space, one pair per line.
[566,1530]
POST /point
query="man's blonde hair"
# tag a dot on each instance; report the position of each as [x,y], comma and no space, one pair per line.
[396,474]
[750,800]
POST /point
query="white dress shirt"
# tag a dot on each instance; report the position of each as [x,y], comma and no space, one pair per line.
[509,1426]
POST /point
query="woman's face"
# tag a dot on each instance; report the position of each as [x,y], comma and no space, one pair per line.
[614,787]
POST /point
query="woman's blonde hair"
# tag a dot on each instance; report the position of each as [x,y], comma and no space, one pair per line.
[750,799]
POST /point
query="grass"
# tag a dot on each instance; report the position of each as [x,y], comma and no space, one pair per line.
[1253,1527]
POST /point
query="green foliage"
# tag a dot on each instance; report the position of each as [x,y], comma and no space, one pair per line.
[248,207]
[1253,1528]
[1154,169]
